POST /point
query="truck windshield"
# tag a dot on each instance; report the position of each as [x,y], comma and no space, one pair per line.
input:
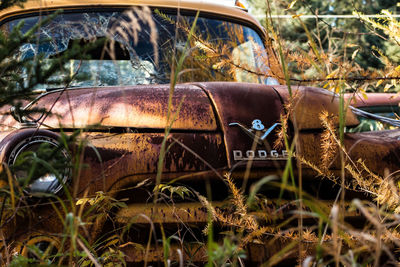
[139,50]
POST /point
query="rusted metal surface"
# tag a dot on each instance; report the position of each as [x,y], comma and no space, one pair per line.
[243,103]
[127,107]
[196,212]
[7,122]
[115,161]
[373,99]
[189,212]
[310,102]
[257,253]
[129,156]
[135,106]
[379,150]
[37,219]
[193,252]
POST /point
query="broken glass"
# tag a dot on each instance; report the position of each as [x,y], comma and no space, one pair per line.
[218,50]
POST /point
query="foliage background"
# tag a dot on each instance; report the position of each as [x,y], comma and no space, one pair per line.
[350,43]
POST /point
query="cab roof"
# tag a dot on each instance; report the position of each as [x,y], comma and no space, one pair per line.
[193,5]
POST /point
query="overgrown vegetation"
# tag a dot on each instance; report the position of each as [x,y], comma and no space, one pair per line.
[290,226]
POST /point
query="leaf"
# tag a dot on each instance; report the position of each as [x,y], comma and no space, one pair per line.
[179,190]
[297,16]
[387,87]
[354,54]
[291,5]
[112,243]
[364,94]
[135,245]
[82,201]
[332,74]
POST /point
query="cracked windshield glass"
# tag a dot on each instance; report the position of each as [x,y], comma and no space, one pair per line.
[130,48]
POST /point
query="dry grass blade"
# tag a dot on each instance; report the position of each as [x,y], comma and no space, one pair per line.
[237,197]
[88,253]
[328,142]
[281,255]
[289,108]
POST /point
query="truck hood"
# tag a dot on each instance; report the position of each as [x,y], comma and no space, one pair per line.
[146,106]
[134,106]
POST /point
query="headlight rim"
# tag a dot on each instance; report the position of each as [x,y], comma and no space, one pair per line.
[24,144]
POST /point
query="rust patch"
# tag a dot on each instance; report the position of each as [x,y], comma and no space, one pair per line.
[132,154]
[136,106]
[311,102]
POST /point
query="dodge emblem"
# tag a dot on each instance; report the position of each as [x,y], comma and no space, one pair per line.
[258,126]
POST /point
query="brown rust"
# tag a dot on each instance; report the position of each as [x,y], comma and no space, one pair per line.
[373,99]
[131,154]
[243,103]
[135,107]
[310,103]
[193,212]
[192,252]
[196,212]
[367,147]
[257,253]
[379,151]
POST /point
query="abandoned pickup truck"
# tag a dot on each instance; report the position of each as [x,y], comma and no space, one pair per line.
[118,103]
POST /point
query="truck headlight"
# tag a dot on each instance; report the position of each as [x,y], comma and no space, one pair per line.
[40,164]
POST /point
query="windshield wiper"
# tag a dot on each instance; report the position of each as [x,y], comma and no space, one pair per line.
[368,115]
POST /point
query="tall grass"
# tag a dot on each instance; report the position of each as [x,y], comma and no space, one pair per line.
[295,228]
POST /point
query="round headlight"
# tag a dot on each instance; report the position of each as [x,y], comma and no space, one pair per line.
[40,164]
